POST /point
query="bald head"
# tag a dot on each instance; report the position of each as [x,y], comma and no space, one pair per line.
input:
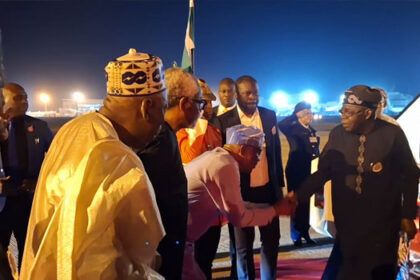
[136,119]
[15,100]
[227,92]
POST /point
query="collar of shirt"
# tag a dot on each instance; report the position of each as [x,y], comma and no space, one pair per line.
[242,115]
[222,109]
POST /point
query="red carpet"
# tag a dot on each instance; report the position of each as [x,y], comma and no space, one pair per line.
[293,269]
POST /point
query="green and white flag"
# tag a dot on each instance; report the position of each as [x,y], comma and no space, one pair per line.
[188,55]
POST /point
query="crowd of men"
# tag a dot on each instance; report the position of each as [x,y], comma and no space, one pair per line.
[141,188]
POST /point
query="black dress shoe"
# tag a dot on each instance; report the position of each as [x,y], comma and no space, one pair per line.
[309,241]
[298,243]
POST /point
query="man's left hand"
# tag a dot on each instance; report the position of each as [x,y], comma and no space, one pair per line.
[287,205]
[408,226]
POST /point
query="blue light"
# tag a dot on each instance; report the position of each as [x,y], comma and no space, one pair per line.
[279,99]
[310,96]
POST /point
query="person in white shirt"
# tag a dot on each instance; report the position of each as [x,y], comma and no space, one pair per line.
[214,188]
[227,95]
[262,185]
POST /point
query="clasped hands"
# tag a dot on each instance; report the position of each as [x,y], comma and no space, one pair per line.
[287,205]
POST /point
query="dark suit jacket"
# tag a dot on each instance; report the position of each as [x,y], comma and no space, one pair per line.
[215,110]
[272,140]
[38,140]
[301,153]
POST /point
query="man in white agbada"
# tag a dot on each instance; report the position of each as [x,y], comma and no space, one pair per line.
[94,214]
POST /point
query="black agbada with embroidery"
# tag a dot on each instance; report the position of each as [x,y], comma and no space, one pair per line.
[367,223]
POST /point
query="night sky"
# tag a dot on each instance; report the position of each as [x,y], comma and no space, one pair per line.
[62,46]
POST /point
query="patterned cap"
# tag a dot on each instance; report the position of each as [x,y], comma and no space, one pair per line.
[245,135]
[362,95]
[206,91]
[135,74]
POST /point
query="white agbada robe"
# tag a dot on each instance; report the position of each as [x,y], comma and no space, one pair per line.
[94,213]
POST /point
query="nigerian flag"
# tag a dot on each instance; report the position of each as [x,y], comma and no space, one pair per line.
[188,55]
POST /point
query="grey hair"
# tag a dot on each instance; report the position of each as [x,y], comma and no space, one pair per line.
[180,83]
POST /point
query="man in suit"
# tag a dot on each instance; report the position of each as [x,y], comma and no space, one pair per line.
[162,160]
[262,185]
[227,96]
[22,153]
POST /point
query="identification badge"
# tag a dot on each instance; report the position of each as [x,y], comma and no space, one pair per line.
[313,139]
[377,167]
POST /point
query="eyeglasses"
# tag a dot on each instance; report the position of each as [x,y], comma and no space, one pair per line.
[201,103]
[349,114]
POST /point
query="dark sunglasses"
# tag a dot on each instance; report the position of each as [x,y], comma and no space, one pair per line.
[348,113]
[201,103]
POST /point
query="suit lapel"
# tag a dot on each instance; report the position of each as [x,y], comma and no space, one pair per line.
[234,119]
[266,126]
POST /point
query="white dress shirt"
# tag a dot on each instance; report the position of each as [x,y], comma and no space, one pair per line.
[259,175]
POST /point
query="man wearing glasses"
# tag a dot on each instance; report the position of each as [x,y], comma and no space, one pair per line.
[162,161]
[374,189]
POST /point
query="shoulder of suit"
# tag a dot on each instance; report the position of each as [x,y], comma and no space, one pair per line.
[35,120]
[228,114]
[264,110]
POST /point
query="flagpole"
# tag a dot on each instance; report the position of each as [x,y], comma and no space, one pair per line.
[192,60]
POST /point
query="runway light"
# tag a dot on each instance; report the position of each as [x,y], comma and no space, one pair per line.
[310,96]
[45,99]
[78,97]
[279,99]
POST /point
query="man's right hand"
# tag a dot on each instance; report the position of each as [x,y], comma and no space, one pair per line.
[287,205]
[6,188]
[4,132]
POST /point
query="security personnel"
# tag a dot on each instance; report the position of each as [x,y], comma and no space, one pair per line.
[304,147]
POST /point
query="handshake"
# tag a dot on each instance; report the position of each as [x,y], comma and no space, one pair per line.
[287,205]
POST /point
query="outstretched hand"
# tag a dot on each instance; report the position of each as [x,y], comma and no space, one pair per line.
[408,226]
[4,133]
[287,205]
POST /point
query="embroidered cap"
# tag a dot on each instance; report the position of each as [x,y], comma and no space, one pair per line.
[362,95]
[245,135]
[135,74]
[206,91]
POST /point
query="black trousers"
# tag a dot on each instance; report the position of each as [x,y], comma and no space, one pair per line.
[244,238]
[205,249]
[14,218]
[172,253]
[364,267]
[299,225]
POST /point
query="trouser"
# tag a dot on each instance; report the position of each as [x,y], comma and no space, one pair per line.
[244,239]
[14,218]
[206,248]
[172,252]
[299,225]
[366,266]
